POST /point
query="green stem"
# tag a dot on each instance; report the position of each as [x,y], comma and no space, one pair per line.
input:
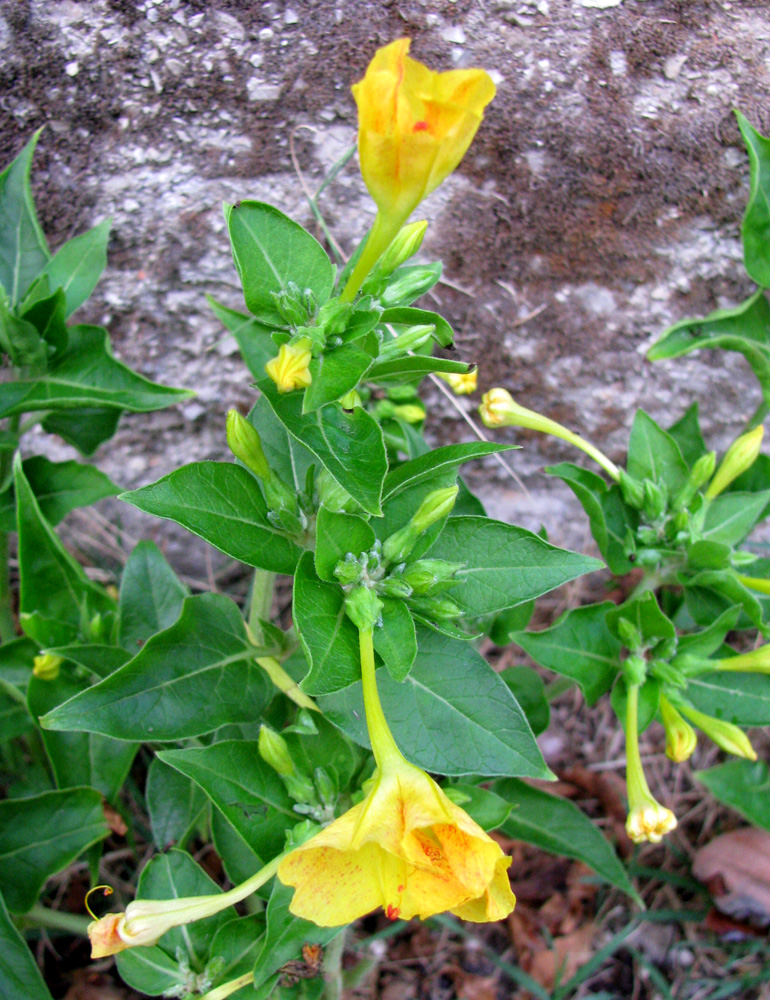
[41,916]
[227,989]
[7,622]
[261,600]
[384,747]
[332,967]
[381,235]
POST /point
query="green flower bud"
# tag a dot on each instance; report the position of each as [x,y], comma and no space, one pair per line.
[408,284]
[293,305]
[274,750]
[363,608]
[680,736]
[46,666]
[436,505]
[394,586]
[350,400]
[648,557]
[327,790]
[244,442]
[634,670]
[348,570]
[700,474]
[301,789]
[629,634]
[404,246]
[426,575]
[668,674]
[410,340]
[631,489]
[725,734]
[655,499]
[437,608]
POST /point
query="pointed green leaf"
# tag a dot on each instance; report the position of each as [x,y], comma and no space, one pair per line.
[48,316]
[85,428]
[731,516]
[77,266]
[349,445]
[426,467]
[334,374]
[23,250]
[196,676]
[253,338]
[654,454]
[222,503]
[413,367]
[20,977]
[87,374]
[239,859]
[53,588]
[529,690]
[41,835]
[406,317]
[248,792]
[687,434]
[743,785]
[174,803]
[755,228]
[151,596]
[395,640]
[238,942]
[579,645]
[452,715]
[504,564]
[558,826]
[484,807]
[270,250]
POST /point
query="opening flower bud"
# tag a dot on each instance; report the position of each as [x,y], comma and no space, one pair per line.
[681,738]
[46,666]
[291,368]
[726,735]
[739,457]
[244,442]
[461,384]
[274,750]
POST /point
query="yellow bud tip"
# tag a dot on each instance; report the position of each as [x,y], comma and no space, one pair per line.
[46,666]
[461,385]
[495,408]
[681,738]
[650,822]
[739,457]
[291,368]
[725,734]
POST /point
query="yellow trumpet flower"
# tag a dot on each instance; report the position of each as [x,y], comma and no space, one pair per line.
[414,127]
[290,369]
[647,818]
[406,847]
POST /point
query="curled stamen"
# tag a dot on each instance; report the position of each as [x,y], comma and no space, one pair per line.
[108,890]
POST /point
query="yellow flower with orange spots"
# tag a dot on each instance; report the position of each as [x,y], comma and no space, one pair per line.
[406,847]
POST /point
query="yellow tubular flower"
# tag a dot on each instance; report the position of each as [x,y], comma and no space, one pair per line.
[647,818]
[461,385]
[499,409]
[405,847]
[726,735]
[290,369]
[681,739]
[414,127]
[739,457]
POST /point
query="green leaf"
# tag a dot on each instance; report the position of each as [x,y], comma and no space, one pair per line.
[504,564]
[334,374]
[85,428]
[20,977]
[270,250]
[755,229]
[502,628]
[42,834]
[414,366]
[711,592]
[54,592]
[151,596]
[708,555]
[329,638]
[744,328]
[743,785]
[174,803]
[285,455]
[558,826]
[743,699]
[238,943]
[336,536]
[87,374]
[687,434]
[175,875]
[79,758]
[23,250]
[60,487]
[395,640]
[196,676]
[48,316]
[579,645]
[101,660]
[349,445]
[14,717]
[608,515]
[239,859]
[285,935]
[253,338]
[77,266]
[709,640]
[731,516]
[446,459]
[404,316]
[452,715]
[654,454]
[487,809]
[645,615]
[150,970]
[529,691]
[222,503]
[247,791]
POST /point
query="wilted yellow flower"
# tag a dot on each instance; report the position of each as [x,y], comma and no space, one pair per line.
[105,937]
[462,385]
[649,822]
[406,847]
[291,368]
[414,127]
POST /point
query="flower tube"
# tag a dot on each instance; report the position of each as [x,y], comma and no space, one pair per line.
[647,818]
[406,847]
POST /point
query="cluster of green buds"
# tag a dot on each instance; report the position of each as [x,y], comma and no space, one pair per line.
[314,797]
[386,570]
[284,507]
